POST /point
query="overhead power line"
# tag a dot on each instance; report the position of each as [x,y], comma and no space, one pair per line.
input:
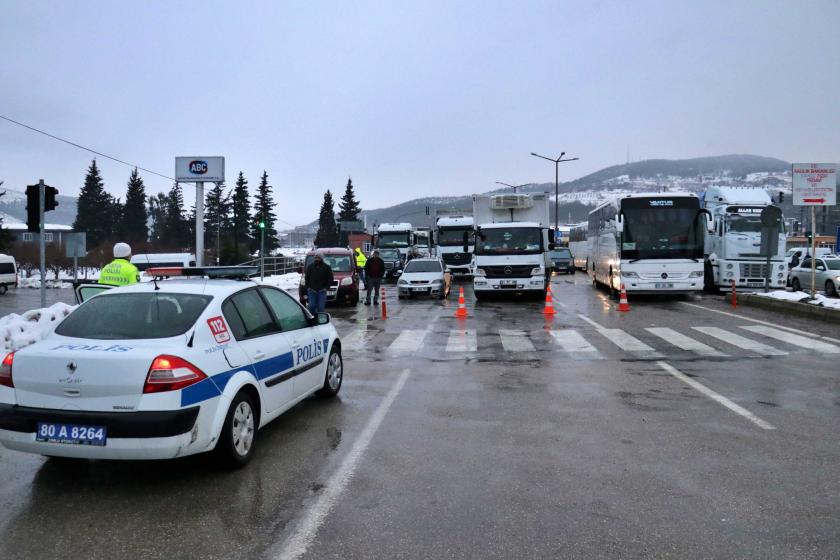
[53,136]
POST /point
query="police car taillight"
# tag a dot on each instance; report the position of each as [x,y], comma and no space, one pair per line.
[6,370]
[170,373]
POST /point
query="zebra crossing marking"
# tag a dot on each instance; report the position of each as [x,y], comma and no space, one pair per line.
[516,341]
[462,340]
[573,343]
[685,342]
[740,341]
[408,341]
[795,339]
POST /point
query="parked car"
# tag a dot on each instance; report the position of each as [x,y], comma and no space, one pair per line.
[8,273]
[562,260]
[422,276]
[827,277]
[345,288]
[393,263]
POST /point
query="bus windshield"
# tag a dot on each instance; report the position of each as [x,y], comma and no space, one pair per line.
[509,240]
[393,239]
[455,237]
[666,228]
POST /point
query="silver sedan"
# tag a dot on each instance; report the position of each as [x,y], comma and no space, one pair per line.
[827,277]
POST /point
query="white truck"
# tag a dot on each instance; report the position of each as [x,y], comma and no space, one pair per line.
[423,241]
[733,250]
[449,239]
[395,236]
[512,244]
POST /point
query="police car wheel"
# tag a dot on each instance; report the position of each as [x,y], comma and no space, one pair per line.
[239,432]
[334,375]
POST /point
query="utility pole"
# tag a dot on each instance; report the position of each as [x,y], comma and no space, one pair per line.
[262,249]
[557,163]
[514,187]
[42,190]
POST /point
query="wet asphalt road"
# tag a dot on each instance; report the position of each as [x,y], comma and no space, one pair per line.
[505,435]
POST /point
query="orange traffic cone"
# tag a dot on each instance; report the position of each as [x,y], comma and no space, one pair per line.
[622,301]
[462,307]
[384,305]
[549,303]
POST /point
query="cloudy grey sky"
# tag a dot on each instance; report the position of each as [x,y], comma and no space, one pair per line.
[410,98]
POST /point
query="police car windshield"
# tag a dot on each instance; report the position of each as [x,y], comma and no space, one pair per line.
[134,316]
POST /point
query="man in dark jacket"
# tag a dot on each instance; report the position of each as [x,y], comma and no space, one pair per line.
[318,278]
[374,272]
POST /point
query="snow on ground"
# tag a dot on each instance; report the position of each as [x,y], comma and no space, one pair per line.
[35,282]
[288,282]
[18,331]
[803,297]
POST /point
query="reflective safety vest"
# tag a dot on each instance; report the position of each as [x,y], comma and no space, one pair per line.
[119,272]
[361,259]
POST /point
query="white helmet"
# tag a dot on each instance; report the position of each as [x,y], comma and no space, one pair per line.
[122,251]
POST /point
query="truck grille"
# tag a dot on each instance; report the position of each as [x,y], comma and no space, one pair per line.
[510,271]
[753,270]
[457,258]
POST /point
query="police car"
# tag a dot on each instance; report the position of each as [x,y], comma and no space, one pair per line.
[196,361]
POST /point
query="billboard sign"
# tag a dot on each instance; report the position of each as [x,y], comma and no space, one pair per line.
[198,169]
[814,184]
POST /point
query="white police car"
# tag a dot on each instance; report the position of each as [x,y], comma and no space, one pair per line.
[168,368]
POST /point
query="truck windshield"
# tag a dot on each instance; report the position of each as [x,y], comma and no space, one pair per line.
[662,229]
[134,316]
[455,237]
[389,255]
[338,263]
[743,224]
[507,241]
[393,239]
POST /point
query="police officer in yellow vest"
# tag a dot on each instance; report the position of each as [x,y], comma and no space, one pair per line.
[361,260]
[120,271]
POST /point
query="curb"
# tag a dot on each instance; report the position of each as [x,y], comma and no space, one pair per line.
[792,307]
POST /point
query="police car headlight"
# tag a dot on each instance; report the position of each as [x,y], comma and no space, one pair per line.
[837,278]
[695,274]
[729,266]
[346,281]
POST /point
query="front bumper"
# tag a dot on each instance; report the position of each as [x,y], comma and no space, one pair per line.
[644,286]
[422,290]
[131,435]
[533,283]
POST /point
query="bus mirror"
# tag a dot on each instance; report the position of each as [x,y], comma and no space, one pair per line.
[710,223]
[466,239]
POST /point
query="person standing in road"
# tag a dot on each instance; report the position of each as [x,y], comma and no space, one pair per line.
[374,272]
[318,278]
[361,260]
[120,271]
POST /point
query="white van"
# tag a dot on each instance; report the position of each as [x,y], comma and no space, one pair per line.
[149,260]
[8,273]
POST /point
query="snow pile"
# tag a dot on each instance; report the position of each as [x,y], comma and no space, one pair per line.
[288,282]
[802,297]
[35,282]
[18,331]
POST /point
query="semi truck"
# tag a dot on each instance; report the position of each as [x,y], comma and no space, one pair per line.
[423,241]
[511,244]
[450,232]
[732,250]
[395,236]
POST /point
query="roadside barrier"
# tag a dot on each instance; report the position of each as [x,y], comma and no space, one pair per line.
[462,306]
[384,305]
[549,303]
[622,301]
[734,297]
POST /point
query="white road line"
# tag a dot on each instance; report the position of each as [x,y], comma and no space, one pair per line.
[685,342]
[358,338]
[630,343]
[299,541]
[515,341]
[789,329]
[740,341]
[720,399]
[408,341]
[462,340]
[795,339]
[591,322]
[578,348]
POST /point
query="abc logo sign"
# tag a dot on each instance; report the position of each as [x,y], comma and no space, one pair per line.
[198,167]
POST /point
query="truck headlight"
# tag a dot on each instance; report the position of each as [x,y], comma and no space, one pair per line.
[536,271]
[781,267]
[347,281]
[780,275]
[630,274]
[695,274]
[730,274]
[729,266]
[479,272]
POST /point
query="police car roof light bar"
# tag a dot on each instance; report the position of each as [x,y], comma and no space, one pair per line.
[232,272]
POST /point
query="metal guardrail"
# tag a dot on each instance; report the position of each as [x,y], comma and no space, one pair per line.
[276,265]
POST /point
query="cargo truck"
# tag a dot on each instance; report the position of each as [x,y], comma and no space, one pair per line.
[450,234]
[395,236]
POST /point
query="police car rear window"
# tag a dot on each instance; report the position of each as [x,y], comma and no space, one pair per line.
[134,316]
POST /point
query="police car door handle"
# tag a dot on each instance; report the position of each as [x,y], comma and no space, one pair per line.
[259,355]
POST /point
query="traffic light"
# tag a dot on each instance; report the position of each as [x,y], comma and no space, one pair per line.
[33,212]
[808,236]
[49,198]
[262,224]
[781,196]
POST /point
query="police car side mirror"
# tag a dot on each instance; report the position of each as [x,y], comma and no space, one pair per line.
[322,318]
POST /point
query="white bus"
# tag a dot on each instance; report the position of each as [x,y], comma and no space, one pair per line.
[579,244]
[650,242]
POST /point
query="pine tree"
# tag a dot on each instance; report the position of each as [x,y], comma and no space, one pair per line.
[349,206]
[94,207]
[5,236]
[327,235]
[217,220]
[264,211]
[134,225]
[241,218]
[157,215]
[176,229]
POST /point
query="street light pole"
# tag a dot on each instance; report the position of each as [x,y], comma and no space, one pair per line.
[557,163]
[514,187]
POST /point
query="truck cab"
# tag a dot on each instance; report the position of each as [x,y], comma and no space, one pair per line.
[449,239]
